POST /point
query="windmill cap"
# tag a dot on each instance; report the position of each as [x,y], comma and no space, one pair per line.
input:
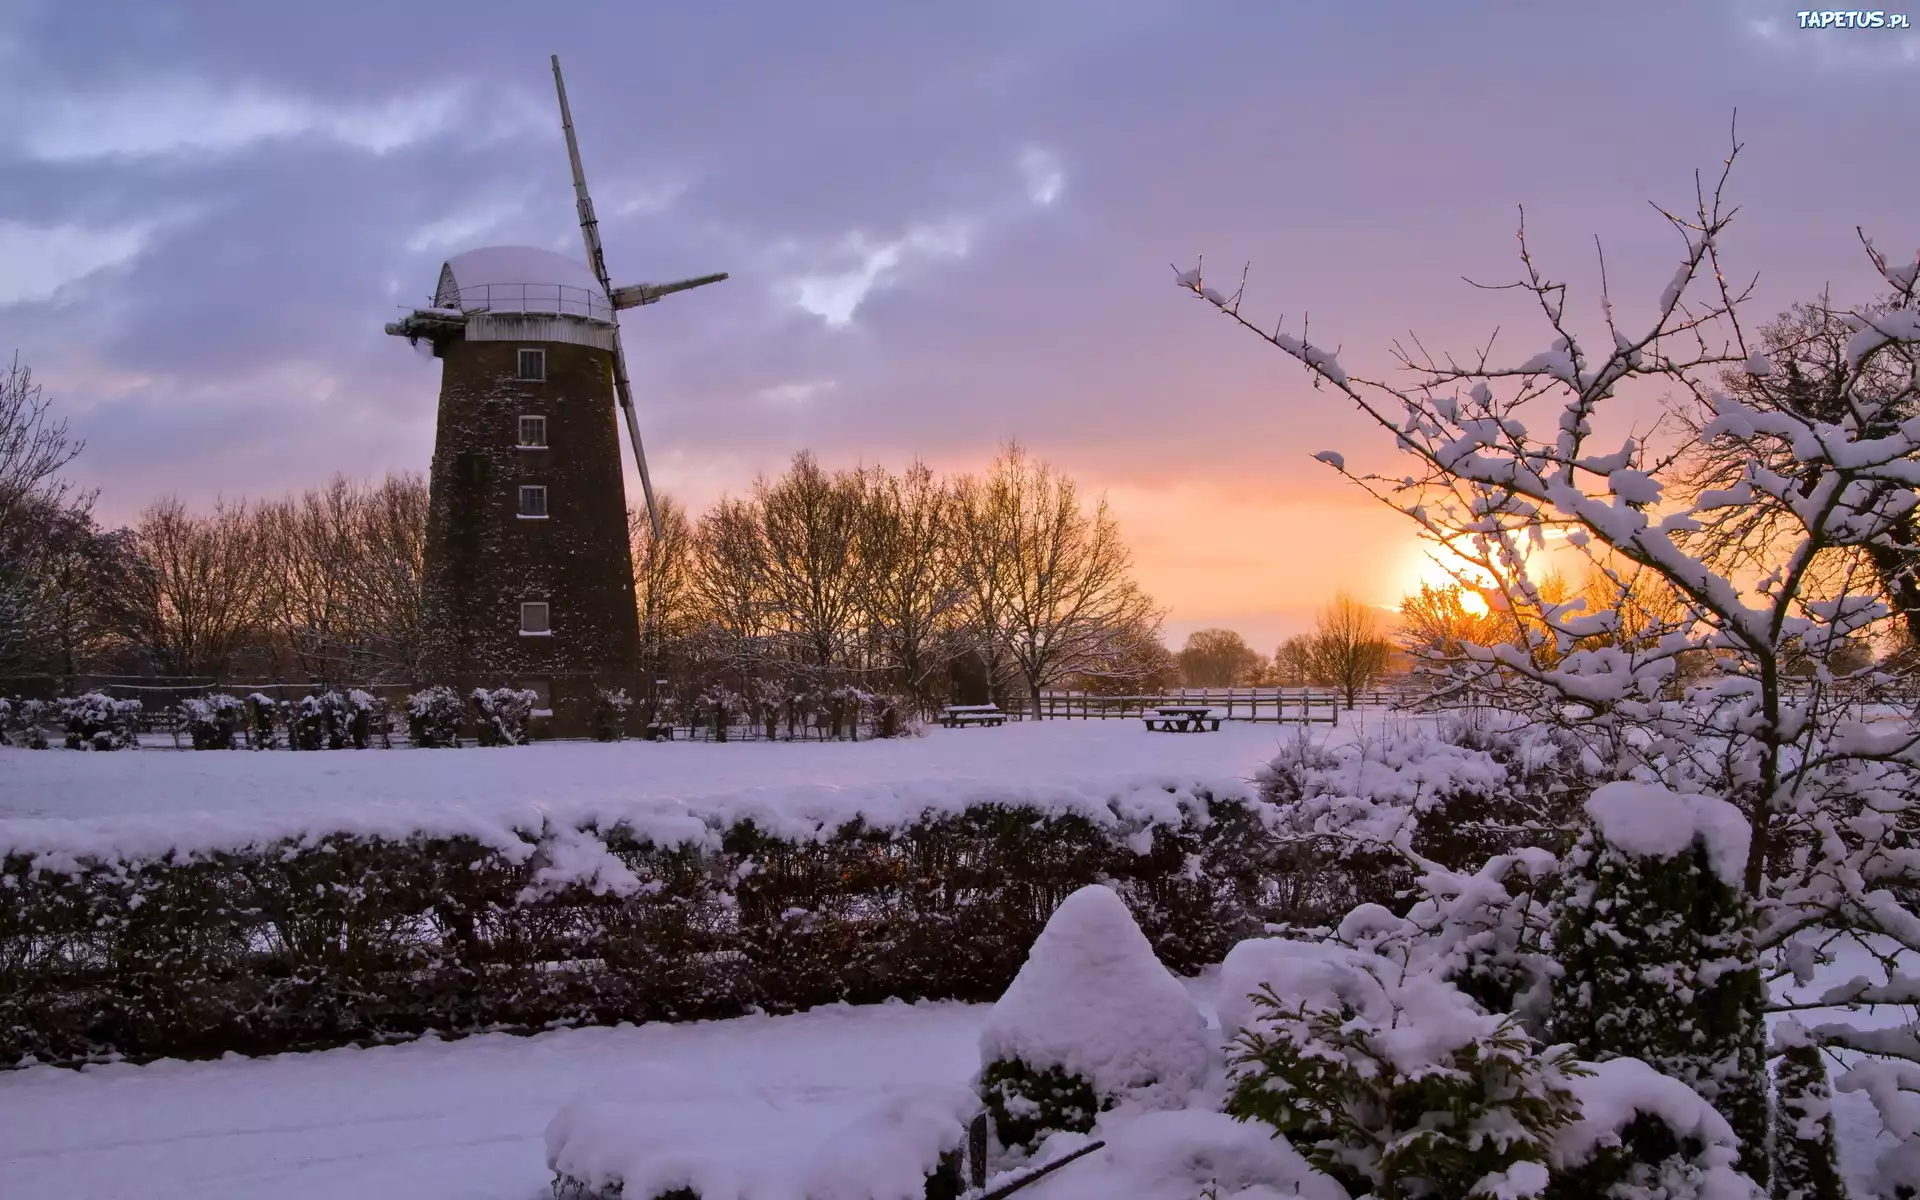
[526,279]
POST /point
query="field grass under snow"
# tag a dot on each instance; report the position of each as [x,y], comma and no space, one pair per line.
[56,784]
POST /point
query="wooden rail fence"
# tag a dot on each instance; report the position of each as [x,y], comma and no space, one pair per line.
[1298,706]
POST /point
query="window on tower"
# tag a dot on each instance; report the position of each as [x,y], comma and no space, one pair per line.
[533,364]
[535,619]
[533,432]
[533,500]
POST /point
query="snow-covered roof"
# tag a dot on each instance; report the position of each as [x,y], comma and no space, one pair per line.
[508,279]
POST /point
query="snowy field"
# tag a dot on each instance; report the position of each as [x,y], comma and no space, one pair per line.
[60,783]
[461,1119]
[465,1120]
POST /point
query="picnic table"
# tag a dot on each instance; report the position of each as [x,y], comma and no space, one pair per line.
[1183,718]
[957,715]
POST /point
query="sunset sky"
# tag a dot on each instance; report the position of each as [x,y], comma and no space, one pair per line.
[948,225]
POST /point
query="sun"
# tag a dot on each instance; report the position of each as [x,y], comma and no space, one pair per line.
[1432,565]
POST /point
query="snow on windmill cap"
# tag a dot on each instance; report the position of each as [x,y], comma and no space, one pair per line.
[521,279]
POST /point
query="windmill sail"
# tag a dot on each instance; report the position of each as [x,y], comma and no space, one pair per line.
[597,260]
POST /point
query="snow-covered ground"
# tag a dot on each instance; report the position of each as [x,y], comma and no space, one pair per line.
[461,1119]
[61,783]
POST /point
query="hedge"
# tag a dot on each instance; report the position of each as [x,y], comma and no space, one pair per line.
[359,938]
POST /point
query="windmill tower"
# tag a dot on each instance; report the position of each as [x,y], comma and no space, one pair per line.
[529,578]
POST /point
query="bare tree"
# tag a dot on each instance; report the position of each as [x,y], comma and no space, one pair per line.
[1069,593]
[1348,648]
[1219,658]
[729,576]
[986,513]
[1439,621]
[664,584]
[811,526]
[34,447]
[390,535]
[191,599]
[1293,661]
[34,506]
[913,577]
[308,551]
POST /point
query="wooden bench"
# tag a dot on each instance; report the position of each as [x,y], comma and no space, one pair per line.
[659,733]
[958,715]
[1182,720]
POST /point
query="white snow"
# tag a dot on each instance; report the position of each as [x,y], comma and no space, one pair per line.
[464,1119]
[1093,1000]
[1418,1019]
[1177,1156]
[1618,1089]
[1653,821]
[147,802]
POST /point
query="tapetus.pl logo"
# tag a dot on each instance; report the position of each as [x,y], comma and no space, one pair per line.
[1828,18]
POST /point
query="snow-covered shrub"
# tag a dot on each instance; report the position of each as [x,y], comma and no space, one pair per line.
[24,724]
[1092,1018]
[1655,944]
[1394,1083]
[501,715]
[263,717]
[1806,1160]
[607,1151]
[1644,1136]
[718,706]
[910,1147]
[610,707]
[213,720]
[434,715]
[97,721]
[1370,817]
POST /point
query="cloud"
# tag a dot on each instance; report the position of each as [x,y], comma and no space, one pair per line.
[42,260]
[155,118]
[465,227]
[797,392]
[863,265]
[835,295]
[1044,176]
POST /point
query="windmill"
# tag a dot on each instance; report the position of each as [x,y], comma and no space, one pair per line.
[627,297]
[529,576]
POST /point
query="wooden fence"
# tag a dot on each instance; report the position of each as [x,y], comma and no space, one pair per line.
[1293,706]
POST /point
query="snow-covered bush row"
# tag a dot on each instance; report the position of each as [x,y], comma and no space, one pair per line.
[332,721]
[502,715]
[23,723]
[433,717]
[97,721]
[610,708]
[213,720]
[160,938]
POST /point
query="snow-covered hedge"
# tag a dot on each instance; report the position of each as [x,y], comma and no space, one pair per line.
[433,717]
[213,720]
[501,715]
[184,939]
[610,707]
[97,721]
[23,723]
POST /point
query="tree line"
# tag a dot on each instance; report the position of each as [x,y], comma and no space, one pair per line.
[1002,583]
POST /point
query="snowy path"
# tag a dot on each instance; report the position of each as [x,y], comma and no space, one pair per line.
[462,1119]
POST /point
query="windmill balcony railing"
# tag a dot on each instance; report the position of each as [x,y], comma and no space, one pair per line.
[557,298]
